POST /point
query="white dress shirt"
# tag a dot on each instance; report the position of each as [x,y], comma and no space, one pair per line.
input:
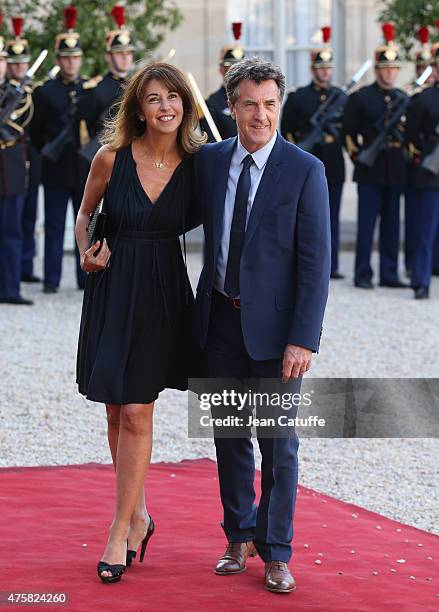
[260,158]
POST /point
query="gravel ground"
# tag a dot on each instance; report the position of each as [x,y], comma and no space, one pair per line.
[380,333]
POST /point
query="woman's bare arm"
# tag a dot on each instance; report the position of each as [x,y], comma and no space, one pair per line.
[98,178]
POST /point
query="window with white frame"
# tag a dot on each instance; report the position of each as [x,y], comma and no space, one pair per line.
[284,31]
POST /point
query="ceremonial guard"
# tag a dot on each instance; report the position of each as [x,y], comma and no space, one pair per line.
[18,65]
[374,135]
[297,123]
[422,60]
[55,131]
[104,92]
[217,102]
[15,113]
[423,144]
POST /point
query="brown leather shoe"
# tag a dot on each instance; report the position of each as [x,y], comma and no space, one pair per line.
[234,559]
[278,578]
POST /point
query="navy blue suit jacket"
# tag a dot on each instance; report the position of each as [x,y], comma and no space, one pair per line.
[285,263]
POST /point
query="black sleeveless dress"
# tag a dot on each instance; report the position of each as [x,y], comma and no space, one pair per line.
[134,332]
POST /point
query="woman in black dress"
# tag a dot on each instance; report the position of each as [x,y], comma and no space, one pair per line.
[137,297]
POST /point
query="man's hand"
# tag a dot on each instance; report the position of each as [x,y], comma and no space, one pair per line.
[90,263]
[296,361]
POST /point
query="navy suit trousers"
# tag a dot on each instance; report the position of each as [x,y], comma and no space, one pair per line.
[270,524]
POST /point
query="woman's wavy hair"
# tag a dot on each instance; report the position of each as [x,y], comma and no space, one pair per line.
[124,125]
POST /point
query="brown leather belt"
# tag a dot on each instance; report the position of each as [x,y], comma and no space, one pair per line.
[235,302]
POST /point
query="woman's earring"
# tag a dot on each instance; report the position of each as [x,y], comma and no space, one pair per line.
[142,118]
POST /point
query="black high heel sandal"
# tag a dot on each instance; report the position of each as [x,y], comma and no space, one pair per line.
[116,572]
[131,554]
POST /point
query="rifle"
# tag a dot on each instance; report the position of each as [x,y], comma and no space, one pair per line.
[12,94]
[321,121]
[52,150]
[431,161]
[368,156]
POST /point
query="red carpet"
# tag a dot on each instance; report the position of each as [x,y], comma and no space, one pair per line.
[49,513]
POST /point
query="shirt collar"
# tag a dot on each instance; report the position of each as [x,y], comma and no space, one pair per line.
[260,156]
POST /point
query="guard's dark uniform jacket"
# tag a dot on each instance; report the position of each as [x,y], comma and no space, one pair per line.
[55,102]
[363,116]
[217,105]
[299,107]
[13,185]
[13,150]
[422,119]
[98,101]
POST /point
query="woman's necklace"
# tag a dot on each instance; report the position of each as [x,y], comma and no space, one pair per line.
[159,164]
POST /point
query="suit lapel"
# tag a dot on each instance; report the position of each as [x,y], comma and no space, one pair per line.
[266,187]
[219,187]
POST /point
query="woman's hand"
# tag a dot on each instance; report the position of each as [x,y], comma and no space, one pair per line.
[90,263]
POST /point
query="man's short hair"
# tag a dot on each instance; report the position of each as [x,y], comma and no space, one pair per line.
[252,69]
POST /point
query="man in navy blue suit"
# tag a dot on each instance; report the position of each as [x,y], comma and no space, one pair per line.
[260,301]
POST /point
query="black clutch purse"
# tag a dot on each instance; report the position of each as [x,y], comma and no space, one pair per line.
[97,226]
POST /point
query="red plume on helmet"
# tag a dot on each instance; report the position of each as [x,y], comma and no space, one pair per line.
[237,29]
[17,24]
[70,14]
[1,19]
[118,14]
[326,33]
[389,32]
[423,35]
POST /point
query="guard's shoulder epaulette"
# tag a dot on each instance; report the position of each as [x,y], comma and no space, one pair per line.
[92,83]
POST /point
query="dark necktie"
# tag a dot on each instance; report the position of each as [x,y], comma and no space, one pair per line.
[237,231]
